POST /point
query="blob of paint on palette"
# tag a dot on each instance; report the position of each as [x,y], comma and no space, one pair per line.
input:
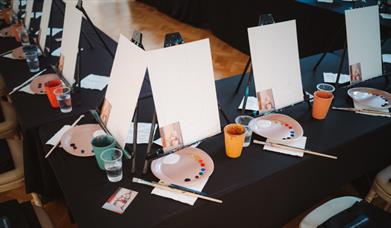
[202,168]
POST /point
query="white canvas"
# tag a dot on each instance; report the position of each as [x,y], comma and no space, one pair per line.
[15,6]
[46,10]
[70,40]
[363,39]
[275,62]
[29,10]
[184,90]
[126,79]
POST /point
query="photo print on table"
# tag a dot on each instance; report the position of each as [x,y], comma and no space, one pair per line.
[355,73]
[266,101]
[120,200]
[171,135]
[105,113]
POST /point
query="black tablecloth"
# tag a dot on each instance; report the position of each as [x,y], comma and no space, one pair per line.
[259,189]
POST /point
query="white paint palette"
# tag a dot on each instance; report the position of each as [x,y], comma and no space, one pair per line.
[186,167]
[277,127]
[77,140]
[371,98]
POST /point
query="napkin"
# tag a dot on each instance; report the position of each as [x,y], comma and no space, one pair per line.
[37,15]
[252,104]
[386,58]
[359,106]
[27,89]
[57,137]
[57,52]
[332,78]
[180,197]
[143,130]
[299,143]
[9,56]
[93,81]
[385,15]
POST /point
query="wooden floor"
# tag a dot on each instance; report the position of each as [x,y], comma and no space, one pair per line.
[123,16]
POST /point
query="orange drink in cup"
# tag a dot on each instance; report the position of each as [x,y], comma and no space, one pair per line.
[321,105]
[234,138]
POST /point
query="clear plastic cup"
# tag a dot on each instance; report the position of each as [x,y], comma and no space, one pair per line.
[31,54]
[63,96]
[325,87]
[244,120]
[112,160]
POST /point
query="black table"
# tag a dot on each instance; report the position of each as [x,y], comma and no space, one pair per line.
[33,111]
[259,189]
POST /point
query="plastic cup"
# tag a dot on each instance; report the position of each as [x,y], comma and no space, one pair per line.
[325,87]
[234,135]
[112,160]
[244,120]
[99,144]
[321,105]
[31,55]
[49,87]
[63,97]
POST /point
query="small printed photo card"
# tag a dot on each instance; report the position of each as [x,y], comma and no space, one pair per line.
[355,73]
[266,101]
[363,40]
[120,200]
[171,135]
[276,65]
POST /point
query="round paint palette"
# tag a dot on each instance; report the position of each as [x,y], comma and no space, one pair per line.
[77,140]
[371,98]
[38,84]
[6,32]
[185,167]
[277,127]
[18,53]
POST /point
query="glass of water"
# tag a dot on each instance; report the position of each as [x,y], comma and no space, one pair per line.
[63,96]
[112,160]
[31,54]
[244,120]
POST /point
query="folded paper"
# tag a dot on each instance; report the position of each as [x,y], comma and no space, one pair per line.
[299,143]
[252,104]
[94,81]
[332,78]
[143,131]
[57,137]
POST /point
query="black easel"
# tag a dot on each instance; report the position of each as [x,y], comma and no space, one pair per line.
[80,7]
[137,38]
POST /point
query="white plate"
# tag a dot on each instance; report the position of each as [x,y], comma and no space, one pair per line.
[277,127]
[371,98]
[186,167]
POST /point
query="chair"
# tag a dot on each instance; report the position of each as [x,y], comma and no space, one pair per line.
[327,210]
[381,187]
[43,217]
[8,128]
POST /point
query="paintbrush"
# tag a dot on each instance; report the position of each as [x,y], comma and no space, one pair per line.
[363,111]
[295,149]
[103,126]
[170,189]
[26,82]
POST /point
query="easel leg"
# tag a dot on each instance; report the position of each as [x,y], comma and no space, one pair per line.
[224,114]
[341,62]
[247,91]
[150,142]
[243,75]
[135,126]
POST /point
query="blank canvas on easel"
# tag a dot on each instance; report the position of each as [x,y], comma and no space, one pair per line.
[363,40]
[276,66]
[70,41]
[184,93]
[46,10]
[126,79]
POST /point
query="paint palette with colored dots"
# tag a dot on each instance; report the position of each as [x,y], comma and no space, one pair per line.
[371,98]
[77,140]
[186,167]
[38,84]
[277,127]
